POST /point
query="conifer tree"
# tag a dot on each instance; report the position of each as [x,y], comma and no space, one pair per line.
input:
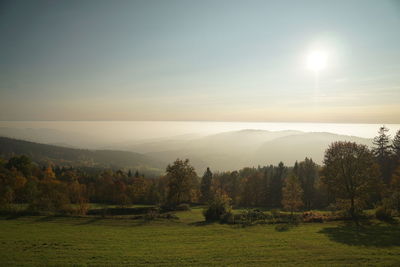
[383,152]
[205,186]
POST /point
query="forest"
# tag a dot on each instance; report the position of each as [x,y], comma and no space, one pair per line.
[352,178]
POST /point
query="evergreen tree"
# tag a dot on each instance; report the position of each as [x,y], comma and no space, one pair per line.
[276,185]
[307,172]
[382,152]
[396,146]
[205,186]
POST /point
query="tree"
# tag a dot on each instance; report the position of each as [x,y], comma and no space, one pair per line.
[253,190]
[205,186]
[307,172]
[21,163]
[350,174]
[219,208]
[396,146]
[292,194]
[181,176]
[276,185]
[382,152]
[395,190]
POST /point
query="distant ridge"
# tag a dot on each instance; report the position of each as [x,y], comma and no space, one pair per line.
[223,151]
[44,154]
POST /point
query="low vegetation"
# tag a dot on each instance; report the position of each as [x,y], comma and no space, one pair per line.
[123,241]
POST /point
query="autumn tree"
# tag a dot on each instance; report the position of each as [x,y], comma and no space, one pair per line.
[253,193]
[292,194]
[181,176]
[11,182]
[205,186]
[350,174]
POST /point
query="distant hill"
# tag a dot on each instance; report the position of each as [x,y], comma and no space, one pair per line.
[51,137]
[42,153]
[224,151]
[296,147]
[237,149]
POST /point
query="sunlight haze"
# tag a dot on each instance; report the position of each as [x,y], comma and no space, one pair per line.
[200,60]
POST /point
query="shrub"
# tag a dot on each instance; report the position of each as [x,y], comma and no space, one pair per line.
[218,208]
[311,216]
[228,218]
[251,217]
[383,213]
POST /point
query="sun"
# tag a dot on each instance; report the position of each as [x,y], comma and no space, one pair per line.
[316,60]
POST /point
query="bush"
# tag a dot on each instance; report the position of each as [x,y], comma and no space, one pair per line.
[311,216]
[228,218]
[251,217]
[154,214]
[218,209]
[383,213]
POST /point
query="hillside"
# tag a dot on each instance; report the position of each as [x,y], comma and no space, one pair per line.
[223,151]
[296,147]
[42,153]
[237,149]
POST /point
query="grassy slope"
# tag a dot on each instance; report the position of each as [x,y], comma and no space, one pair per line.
[90,241]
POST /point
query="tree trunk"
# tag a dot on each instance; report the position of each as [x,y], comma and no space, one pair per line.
[352,212]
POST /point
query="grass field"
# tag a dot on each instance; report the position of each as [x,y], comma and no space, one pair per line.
[59,241]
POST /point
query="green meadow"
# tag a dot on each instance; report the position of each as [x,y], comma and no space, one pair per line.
[88,241]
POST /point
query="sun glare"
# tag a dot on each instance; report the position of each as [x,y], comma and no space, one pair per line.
[316,60]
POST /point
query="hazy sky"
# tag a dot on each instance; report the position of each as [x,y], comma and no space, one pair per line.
[199,60]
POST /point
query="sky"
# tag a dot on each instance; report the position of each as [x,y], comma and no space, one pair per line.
[200,60]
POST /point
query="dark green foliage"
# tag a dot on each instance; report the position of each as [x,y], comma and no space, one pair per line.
[20,163]
[307,172]
[218,209]
[384,213]
[205,186]
[251,217]
[396,146]
[383,153]
[276,184]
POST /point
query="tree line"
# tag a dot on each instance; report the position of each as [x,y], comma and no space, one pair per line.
[352,178]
